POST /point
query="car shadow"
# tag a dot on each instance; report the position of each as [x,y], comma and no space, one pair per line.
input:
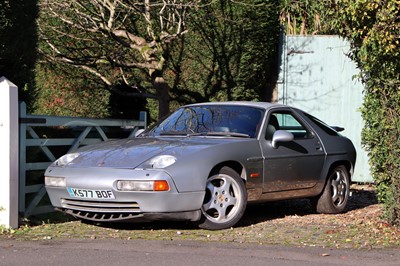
[257,213]
[149,225]
[361,197]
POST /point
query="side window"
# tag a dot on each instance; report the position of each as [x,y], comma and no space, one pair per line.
[286,121]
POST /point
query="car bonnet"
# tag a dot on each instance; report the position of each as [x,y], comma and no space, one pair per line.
[131,153]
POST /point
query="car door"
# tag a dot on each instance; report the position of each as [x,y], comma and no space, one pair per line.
[295,164]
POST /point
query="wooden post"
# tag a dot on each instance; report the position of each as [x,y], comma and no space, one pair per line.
[8,154]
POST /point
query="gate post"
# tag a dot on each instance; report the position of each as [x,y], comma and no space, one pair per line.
[8,154]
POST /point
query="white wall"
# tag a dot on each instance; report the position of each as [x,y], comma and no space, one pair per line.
[8,154]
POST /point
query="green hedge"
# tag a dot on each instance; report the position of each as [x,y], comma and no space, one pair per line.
[372,27]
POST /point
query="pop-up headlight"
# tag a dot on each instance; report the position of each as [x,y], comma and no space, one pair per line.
[159,162]
[66,159]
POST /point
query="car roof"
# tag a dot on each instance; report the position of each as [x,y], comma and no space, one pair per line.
[263,105]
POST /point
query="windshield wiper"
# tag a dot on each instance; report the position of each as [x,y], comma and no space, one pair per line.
[174,133]
[223,134]
[211,133]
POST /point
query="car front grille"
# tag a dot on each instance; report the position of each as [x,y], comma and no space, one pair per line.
[100,206]
[101,210]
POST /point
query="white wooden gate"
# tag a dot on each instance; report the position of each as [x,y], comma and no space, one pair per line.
[45,138]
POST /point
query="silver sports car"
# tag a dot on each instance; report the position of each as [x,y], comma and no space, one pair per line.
[204,163]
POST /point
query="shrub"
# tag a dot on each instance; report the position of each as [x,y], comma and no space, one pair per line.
[372,27]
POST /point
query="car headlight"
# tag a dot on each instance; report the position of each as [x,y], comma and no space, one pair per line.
[159,162]
[66,159]
[53,181]
[153,185]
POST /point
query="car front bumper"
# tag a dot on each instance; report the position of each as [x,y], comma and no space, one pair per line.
[125,205]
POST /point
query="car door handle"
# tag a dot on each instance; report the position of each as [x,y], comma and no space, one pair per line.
[318,148]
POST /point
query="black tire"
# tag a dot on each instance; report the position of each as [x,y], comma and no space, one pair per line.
[336,193]
[225,200]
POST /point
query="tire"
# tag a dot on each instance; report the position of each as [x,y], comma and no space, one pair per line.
[336,193]
[225,200]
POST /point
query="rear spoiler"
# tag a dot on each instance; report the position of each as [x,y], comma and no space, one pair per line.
[337,129]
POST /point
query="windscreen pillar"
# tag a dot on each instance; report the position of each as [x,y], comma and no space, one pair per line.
[9,154]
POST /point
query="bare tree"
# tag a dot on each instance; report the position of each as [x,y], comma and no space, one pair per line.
[116,40]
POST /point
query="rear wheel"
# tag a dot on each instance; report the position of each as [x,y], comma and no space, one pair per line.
[336,193]
[225,200]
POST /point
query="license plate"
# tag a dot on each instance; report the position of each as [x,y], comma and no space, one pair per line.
[90,194]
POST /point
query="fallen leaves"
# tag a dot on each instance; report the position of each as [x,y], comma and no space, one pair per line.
[283,223]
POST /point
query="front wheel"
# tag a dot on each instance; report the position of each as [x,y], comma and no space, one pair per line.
[336,193]
[225,200]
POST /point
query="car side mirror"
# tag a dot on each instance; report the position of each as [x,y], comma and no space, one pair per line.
[137,133]
[281,136]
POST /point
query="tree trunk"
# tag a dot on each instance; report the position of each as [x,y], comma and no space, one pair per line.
[162,88]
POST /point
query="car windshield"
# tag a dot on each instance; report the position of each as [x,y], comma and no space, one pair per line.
[211,120]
